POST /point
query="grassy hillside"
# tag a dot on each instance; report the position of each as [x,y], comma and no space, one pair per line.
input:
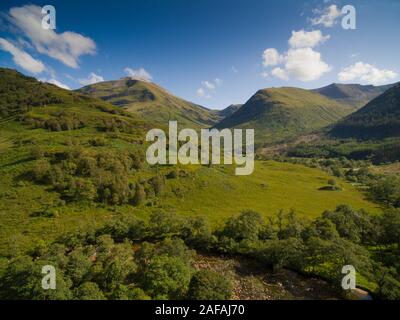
[280,113]
[229,110]
[378,119]
[76,191]
[353,94]
[152,102]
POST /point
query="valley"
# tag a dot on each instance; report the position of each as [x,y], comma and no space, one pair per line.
[76,190]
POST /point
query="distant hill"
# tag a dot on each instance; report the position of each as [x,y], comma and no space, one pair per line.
[228,111]
[379,119]
[152,102]
[21,95]
[281,113]
[355,95]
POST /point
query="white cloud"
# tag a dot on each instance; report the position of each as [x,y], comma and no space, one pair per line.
[301,61]
[202,93]
[218,82]
[91,79]
[304,39]
[264,74]
[139,74]
[66,47]
[327,17]
[22,58]
[234,69]
[305,64]
[366,73]
[280,73]
[271,57]
[56,82]
[208,85]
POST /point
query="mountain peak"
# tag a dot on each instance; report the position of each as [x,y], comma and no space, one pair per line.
[353,94]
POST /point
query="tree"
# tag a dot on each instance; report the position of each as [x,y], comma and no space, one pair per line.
[89,291]
[208,285]
[246,226]
[140,195]
[283,253]
[123,292]
[390,222]
[166,276]
[78,266]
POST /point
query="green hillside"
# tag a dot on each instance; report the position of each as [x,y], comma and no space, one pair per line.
[230,110]
[277,114]
[353,94]
[152,102]
[379,119]
[76,161]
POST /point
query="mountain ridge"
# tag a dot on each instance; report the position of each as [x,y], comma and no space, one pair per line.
[378,119]
[152,102]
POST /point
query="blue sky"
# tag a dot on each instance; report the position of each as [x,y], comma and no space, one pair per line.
[209,51]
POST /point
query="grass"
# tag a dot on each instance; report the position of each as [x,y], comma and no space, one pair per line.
[217,193]
[214,192]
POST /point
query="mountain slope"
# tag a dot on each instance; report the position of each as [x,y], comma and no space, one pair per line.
[277,114]
[353,94]
[379,119]
[228,111]
[20,94]
[152,102]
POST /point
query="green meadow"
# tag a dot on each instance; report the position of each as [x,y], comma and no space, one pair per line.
[213,192]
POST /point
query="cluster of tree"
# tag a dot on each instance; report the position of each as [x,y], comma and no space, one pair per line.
[130,258]
[61,122]
[382,189]
[97,265]
[377,151]
[19,93]
[386,190]
[117,125]
[101,176]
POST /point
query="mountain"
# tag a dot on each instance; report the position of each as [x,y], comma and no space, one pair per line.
[277,114]
[379,119]
[20,94]
[229,110]
[27,102]
[355,95]
[152,102]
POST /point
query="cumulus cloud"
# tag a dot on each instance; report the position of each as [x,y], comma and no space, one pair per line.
[305,64]
[280,73]
[91,79]
[327,17]
[65,47]
[139,74]
[366,73]
[208,86]
[301,61]
[202,93]
[22,58]
[55,82]
[304,39]
[271,57]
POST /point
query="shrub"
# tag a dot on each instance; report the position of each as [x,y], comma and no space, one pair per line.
[208,285]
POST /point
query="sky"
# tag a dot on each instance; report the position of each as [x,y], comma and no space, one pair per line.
[211,52]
